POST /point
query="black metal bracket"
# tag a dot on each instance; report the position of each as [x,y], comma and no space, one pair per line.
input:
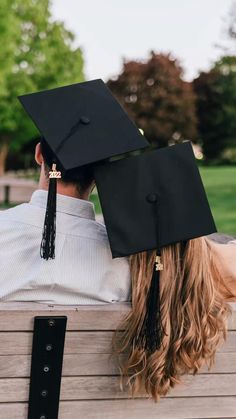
[46,366]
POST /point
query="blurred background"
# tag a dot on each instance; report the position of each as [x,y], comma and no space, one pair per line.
[171,64]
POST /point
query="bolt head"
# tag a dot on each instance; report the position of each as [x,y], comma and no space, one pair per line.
[49,347]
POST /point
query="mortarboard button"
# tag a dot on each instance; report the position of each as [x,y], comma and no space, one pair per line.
[85,120]
[151,198]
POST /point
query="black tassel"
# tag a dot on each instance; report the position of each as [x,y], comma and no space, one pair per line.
[151,334]
[47,249]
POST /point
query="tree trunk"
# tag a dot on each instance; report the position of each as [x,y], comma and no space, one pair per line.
[4,147]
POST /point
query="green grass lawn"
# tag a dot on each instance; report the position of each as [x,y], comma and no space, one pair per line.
[94,198]
[220,184]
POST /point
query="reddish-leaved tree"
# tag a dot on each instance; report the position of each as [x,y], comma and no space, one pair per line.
[155,95]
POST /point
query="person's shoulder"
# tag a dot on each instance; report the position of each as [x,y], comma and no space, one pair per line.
[93,229]
[13,213]
[100,231]
[226,252]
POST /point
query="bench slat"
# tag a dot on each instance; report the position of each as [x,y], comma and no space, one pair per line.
[100,387]
[19,315]
[78,343]
[96,364]
[189,408]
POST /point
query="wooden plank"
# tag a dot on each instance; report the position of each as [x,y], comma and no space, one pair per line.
[75,364]
[19,315]
[78,343]
[14,316]
[100,387]
[188,408]
[34,306]
[75,342]
[224,363]
[96,364]
[232,319]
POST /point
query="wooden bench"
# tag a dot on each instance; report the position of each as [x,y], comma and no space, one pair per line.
[90,379]
[16,190]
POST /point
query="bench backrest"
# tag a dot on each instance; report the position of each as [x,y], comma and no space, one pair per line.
[90,379]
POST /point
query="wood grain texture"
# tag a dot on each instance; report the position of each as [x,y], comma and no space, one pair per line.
[78,343]
[97,364]
[107,387]
[187,408]
[179,408]
[19,316]
[14,316]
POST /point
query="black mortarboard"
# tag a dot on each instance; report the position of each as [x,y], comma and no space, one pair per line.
[171,176]
[150,201]
[82,123]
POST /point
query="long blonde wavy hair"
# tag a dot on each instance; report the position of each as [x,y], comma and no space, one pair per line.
[194,316]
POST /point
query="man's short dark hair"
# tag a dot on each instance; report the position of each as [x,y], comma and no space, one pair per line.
[81,177]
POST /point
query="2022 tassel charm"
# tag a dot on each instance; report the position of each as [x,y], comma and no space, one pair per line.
[47,249]
[151,333]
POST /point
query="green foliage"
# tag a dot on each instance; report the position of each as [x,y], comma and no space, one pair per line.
[158,99]
[220,184]
[216,107]
[37,53]
[229,156]
[95,200]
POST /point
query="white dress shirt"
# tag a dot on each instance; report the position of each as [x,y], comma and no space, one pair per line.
[83,271]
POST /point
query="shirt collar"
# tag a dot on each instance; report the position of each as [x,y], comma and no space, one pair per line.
[66,204]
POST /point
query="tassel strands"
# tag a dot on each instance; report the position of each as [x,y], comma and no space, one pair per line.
[151,333]
[47,249]
[154,332]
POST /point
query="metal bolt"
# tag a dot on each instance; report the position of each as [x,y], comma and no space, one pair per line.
[44,393]
[46,368]
[151,198]
[49,347]
[51,322]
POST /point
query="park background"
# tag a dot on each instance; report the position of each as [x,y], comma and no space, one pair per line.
[171,64]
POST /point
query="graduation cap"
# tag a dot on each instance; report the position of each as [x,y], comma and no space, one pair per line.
[150,201]
[82,124]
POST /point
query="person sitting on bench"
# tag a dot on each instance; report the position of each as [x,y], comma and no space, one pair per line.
[80,125]
[159,217]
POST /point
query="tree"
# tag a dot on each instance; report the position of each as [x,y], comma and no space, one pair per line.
[37,53]
[216,107]
[157,98]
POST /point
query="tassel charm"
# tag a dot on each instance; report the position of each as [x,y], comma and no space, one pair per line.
[47,249]
[151,333]
[158,264]
[54,174]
